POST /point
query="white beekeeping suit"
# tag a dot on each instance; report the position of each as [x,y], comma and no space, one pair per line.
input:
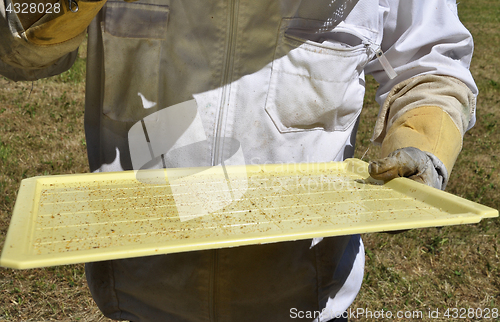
[260,82]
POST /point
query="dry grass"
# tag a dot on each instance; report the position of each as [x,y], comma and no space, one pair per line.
[41,132]
[452,267]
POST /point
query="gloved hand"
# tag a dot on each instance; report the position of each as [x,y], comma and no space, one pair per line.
[412,163]
[422,144]
[420,128]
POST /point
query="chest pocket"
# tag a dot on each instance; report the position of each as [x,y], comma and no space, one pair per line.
[133,34]
[315,84]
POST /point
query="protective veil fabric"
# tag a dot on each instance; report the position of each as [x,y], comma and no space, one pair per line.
[279,81]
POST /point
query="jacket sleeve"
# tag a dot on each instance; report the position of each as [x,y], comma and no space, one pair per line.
[430,50]
[39,45]
[423,37]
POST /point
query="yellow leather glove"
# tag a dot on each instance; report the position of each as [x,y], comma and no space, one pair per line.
[436,138]
[59,24]
[421,123]
[428,128]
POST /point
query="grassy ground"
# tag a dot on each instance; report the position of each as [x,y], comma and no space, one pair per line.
[41,132]
[453,267]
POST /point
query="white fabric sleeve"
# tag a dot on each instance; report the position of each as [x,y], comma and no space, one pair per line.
[448,93]
[22,60]
[424,37]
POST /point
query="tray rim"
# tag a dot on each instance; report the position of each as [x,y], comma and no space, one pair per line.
[17,254]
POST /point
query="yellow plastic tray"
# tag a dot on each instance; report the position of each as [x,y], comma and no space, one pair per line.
[69,219]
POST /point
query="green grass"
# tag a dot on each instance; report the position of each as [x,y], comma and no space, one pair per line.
[453,267]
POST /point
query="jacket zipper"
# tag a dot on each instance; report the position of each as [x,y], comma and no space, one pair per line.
[376,49]
[225,82]
[213,287]
[391,73]
[217,156]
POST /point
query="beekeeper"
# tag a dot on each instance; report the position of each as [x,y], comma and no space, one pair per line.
[250,82]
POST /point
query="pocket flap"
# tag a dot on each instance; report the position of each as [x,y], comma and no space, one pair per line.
[136,20]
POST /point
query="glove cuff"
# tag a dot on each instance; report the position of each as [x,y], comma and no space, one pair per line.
[429,129]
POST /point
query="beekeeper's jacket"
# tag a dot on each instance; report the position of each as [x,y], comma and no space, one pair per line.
[250,82]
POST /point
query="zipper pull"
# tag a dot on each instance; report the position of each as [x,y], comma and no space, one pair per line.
[383,61]
[70,3]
